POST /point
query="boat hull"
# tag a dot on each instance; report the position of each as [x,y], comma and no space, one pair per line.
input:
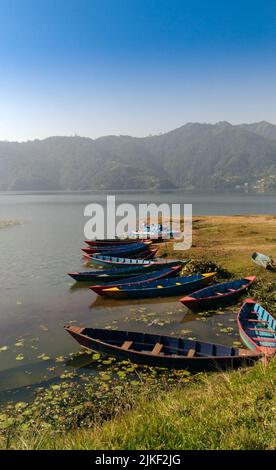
[115,274]
[171,361]
[148,292]
[202,300]
[136,280]
[115,241]
[125,262]
[257,328]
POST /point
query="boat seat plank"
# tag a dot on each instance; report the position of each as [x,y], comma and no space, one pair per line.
[157,348]
[126,345]
[259,321]
[191,353]
[232,290]
[267,330]
[219,293]
[264,339]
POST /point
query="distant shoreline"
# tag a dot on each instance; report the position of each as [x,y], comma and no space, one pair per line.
[140,191]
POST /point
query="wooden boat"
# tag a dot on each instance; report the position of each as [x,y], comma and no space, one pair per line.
[113,241]
[160,288]
[162,351]
[122,250]
[103,260]
[115,247]
[263,261]
[118,262]
[115,274]
[217,295]
[136,280]
[257,328]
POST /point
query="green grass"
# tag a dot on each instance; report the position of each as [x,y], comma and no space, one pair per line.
[232,410]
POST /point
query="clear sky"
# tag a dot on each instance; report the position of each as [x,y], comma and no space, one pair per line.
[98,67]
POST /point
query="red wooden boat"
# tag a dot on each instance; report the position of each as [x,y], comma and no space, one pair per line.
[217,295]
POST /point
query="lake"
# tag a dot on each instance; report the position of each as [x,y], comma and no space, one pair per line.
[38,297]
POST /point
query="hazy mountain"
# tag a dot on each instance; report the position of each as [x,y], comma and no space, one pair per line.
[195,155]
[262,128]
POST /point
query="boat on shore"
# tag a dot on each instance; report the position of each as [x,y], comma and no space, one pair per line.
[162,351]
[264,261]
[217,295]
[160,288]
[257,328]
[140,279]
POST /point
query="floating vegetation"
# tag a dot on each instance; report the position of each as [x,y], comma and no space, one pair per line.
[80,400]
[44,357]
[59,359]
[228,330]
[19,357]
[237,344]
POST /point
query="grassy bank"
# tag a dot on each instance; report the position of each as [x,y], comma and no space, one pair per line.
[234,410]
[128,407]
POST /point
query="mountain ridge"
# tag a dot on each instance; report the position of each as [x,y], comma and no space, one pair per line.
[220,155]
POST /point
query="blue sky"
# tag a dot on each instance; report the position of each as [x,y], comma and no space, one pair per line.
[97,67]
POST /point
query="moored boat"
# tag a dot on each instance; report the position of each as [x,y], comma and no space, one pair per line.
[122,250]
[162,351]
[217,295]
[113,249]
[257,328]
[118,262]
[136,280]
[160,288]
[113,241]
[115,274]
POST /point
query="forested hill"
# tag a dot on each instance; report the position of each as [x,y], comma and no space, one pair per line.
[193,156]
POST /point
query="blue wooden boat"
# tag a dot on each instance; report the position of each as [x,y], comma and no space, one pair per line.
[107,275]
[112,241]
[162,288]
[217,295]
[257,328]
[122,251]
[137,280]
[111,250]
[118,262]
[162,351]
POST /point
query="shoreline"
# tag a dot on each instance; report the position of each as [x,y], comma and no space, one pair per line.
[70,416]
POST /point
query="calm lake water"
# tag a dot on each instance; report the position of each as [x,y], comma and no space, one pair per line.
[38,298]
